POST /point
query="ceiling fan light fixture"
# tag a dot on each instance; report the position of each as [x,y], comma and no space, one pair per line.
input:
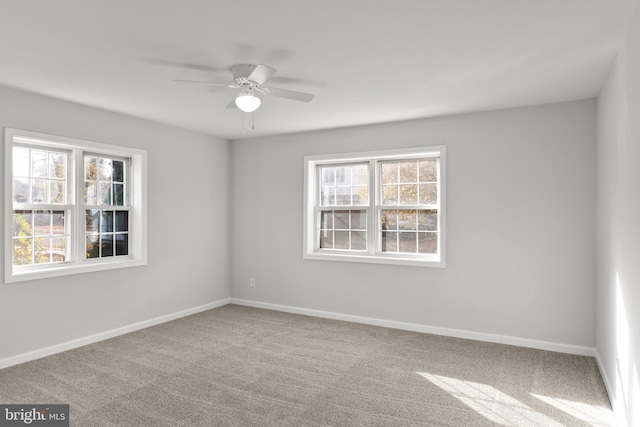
[247,102]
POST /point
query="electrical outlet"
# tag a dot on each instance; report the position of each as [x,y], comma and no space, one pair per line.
[252,282]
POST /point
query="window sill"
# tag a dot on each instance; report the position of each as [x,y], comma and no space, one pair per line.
[433,262]
[71,269]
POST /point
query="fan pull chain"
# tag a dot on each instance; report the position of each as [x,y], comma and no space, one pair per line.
[243,124]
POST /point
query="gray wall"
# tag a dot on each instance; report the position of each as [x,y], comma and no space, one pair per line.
[188,233]
[618,310]
[520,226]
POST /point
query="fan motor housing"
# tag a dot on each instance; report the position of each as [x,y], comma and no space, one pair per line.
[241,73]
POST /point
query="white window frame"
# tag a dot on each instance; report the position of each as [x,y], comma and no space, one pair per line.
[76,262]
[373,254]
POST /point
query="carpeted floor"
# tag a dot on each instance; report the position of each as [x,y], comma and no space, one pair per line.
[240,366]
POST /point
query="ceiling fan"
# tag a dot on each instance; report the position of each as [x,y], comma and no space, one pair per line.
[249,79]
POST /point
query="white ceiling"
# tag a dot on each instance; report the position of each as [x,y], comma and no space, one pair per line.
[366,61]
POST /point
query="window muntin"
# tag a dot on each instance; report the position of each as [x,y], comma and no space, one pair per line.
[343,229]
[39,206]
[106,207]
[39,176]
[39,237]
[411,187]
[385,206]
[72,206]
[344,184]
[343,189]
[107,233]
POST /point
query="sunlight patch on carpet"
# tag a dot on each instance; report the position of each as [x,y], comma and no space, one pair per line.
[592,414]
[491,403]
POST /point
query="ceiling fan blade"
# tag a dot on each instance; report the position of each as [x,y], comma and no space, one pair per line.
[261,74]
[199,67]
[199,82]
[289,94]
[285,80]
[232,103]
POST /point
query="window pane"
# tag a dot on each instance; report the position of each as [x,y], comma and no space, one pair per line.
[105,194]
[341,240]
[408,243]
[389,173]
[408,171]
[57,192]
[409,194]
[341,219]
[22,223]
[122,244]
[22,251]
[91,193]
[428,243]
[118,194]
[90,169]
[39,191]
[358,220]
[58,249]
[20,161]
[93,246]
[104,170]
[57,223]
[106,222]
[428,220]
[92,220]
[39,163]
[360,195]
[389,241]
[326,239]
[360,174]
[106,246]
[359,240]
[41,223]
[118,171]
[343,175]
[21,190]
[326,220]
[58,165]
[328,176]
[389,195]
[327,196]
[429,171]
[343,196]
[42,250]
[407,220]
[428,194]
[389,220]
[122,221]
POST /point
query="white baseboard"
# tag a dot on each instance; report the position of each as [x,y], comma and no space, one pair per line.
[458,333]
[101,336]
[608,385]
[436,330]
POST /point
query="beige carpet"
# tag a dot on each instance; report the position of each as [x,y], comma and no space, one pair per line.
[240,366]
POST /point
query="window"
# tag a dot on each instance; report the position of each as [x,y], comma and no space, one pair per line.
[72,206]
[383,207]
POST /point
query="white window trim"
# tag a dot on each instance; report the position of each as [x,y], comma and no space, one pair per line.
[371,256]
[138,199]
